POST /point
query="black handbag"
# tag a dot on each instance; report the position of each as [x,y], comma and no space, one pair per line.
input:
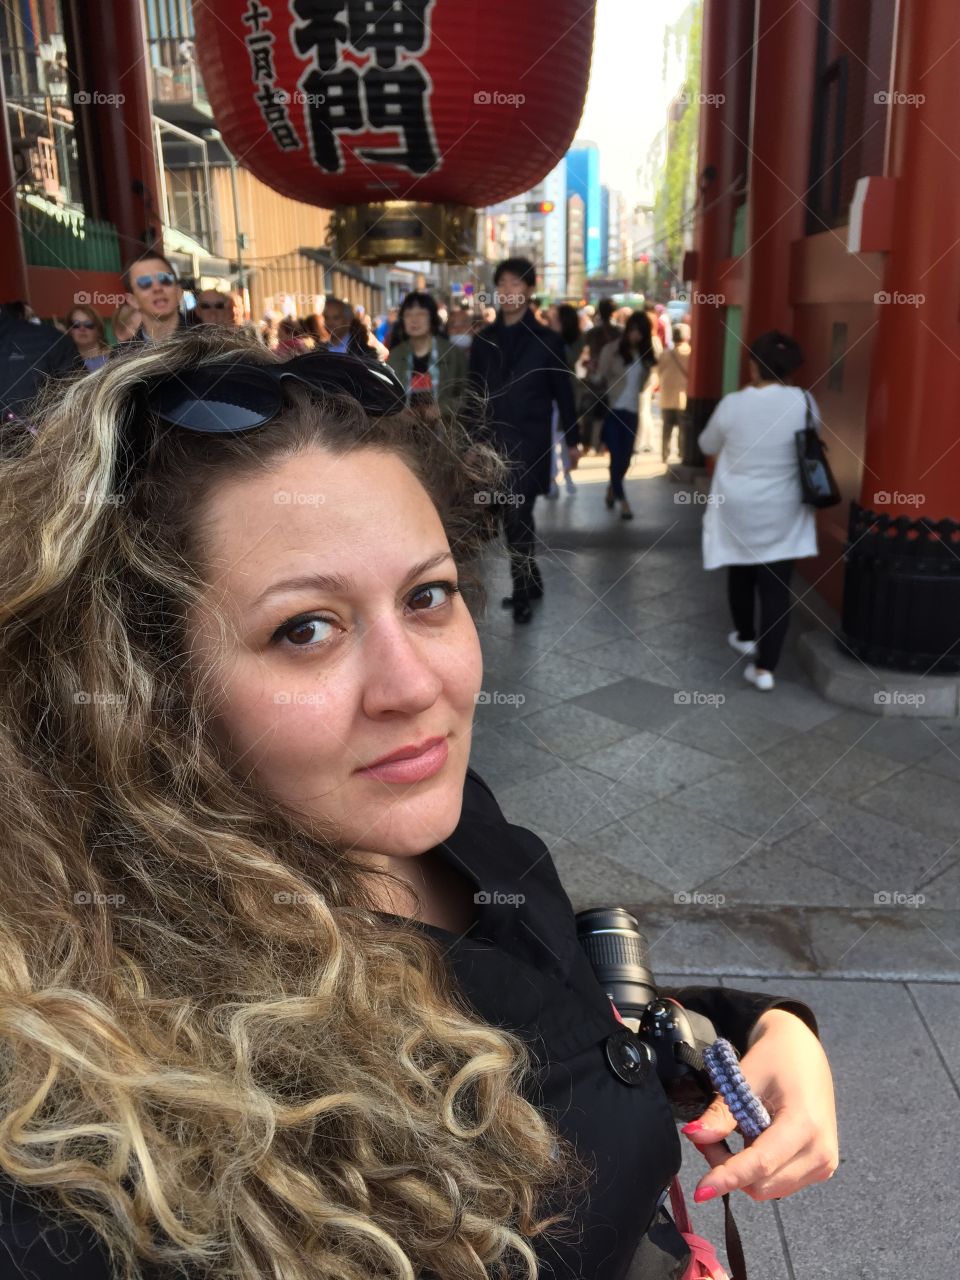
[817,483]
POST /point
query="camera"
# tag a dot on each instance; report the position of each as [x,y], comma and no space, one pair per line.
[674,1037]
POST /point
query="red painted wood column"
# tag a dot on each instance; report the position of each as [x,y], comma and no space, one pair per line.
[727,65]
[13,267]
[781,131]
[912,441]
[114,72]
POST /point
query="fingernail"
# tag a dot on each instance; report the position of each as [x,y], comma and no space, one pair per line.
[705,1193]
[693,1127]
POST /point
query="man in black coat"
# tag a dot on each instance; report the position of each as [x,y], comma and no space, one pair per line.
[28,351]
[517,365]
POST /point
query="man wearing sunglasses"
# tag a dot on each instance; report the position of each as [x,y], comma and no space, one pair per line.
[152,286]
[217,307]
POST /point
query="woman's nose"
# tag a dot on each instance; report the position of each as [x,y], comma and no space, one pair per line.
[398,672]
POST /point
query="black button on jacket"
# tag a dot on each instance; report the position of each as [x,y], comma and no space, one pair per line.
[520,967]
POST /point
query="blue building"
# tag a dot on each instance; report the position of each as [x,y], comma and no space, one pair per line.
[583,179]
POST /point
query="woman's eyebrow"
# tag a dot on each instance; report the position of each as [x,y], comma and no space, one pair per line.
[336,583]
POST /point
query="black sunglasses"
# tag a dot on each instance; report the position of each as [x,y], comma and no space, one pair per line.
[229,397]
[211,306]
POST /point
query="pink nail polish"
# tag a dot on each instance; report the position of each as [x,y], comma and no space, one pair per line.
[705,1193]
[693,1127]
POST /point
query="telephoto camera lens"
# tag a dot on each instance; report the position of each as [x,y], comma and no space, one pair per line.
[617,952]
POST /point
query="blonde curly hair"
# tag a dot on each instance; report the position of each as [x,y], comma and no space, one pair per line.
[208,1078]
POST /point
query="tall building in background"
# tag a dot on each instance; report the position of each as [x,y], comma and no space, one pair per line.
[576,245]
[604,229]
[527,226]
[583,179]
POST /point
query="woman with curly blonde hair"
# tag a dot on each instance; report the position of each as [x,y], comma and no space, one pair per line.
[260,1015]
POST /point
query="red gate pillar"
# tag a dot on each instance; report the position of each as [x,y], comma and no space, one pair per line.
[782,122]
[912,447]
[722,164]
[901,605]
[114,72]
[13,267]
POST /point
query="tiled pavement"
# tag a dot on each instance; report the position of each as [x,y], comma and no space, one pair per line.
[751,833]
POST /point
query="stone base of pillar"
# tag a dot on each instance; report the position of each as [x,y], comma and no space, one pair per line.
[846,681]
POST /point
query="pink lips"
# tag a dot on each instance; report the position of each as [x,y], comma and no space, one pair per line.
[410,764]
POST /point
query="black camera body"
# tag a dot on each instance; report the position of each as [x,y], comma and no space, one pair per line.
[674,1037]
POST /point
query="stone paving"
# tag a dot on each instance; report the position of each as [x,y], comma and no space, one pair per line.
[764,840]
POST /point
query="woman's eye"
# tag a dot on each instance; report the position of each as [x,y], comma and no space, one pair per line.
[305,633]
[433,596]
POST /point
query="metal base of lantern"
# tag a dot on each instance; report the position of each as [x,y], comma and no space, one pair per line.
[901,592]
[404,231]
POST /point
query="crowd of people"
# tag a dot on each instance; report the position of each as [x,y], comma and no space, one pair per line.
[545,384]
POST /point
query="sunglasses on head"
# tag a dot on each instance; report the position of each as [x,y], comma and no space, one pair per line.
[161,277]
[229,397]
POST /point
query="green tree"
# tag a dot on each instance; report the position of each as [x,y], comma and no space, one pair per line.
[676,190]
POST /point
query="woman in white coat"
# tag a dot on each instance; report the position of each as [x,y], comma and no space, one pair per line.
[755,522]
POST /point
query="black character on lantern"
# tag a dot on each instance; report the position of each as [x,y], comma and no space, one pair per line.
[381,26]
[352,100]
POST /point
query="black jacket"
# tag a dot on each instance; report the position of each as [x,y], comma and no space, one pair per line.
[522,371]
[520,966]
[29,353]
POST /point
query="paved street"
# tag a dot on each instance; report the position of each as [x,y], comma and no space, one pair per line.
[751,833]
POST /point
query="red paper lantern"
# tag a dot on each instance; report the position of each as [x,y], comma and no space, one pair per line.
[347,102]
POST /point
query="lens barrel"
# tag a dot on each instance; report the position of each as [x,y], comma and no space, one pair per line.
[617,952]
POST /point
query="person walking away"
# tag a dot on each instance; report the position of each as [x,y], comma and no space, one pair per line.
[644,443]
[518,370]
[756,524]
[563,319]
[624,370]
[432,369]
[604,332]
[672,372]
[85,327]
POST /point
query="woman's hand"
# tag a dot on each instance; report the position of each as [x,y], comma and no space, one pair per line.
[787,1068]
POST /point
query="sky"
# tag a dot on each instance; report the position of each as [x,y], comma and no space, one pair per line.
[627,100]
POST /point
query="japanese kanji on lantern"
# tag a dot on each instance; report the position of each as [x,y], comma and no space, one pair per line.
[404,116]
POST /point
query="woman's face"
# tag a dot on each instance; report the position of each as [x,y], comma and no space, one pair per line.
[416,322]
[83,331]
[367,655]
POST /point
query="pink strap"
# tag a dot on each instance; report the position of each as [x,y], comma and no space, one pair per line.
[704,1263]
